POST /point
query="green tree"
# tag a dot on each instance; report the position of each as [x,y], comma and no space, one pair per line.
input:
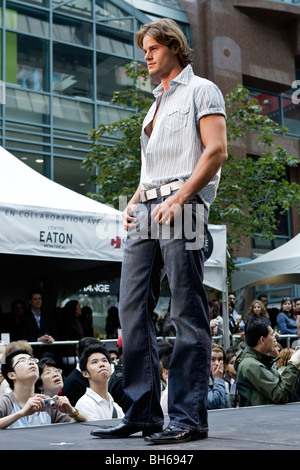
[252,190]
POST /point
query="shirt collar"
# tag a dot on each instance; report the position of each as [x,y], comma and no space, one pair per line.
[184,77]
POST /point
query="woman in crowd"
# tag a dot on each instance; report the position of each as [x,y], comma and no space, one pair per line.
[286,320]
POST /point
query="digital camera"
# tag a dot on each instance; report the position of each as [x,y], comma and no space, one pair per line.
[49,403]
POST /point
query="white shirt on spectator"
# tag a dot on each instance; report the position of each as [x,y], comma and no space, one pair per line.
[94,407]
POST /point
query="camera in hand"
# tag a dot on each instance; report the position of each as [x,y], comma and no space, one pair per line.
[48,403]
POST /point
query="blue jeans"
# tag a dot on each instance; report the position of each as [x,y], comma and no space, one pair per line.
[145,260]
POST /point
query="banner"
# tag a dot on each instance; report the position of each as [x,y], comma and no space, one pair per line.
[38,231]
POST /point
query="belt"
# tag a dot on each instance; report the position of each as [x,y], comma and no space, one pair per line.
[160,191]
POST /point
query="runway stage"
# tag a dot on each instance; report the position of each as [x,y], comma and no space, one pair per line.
[273,427]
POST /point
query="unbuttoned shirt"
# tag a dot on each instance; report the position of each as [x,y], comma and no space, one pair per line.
[175,146]
[94,407]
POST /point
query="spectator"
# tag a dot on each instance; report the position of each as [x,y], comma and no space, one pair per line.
[286,320]
[71,328]
[230,378]
[258,382]
[217,395]
[284,356]
[35,324]
[4,387]
[112,323]
[75,384]
[297,308]
[22,407]
[50,381]
[272,312]
[216,320]
[87,321]
[97,403]
[13,324]
[256,308]
[165,361]
[236,316]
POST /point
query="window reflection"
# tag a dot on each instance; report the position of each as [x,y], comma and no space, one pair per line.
[77,32]
[27,61]
[72,71]
[111,76]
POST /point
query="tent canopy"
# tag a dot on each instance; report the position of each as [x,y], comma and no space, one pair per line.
[281,265]
[51,236]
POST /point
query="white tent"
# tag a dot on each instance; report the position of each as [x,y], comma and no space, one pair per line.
[52,236]
[56,237]
[281,265]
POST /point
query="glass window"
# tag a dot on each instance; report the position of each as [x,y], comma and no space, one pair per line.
[114,41]
[81,8]
[25,106]
[111,76]
[39,163]
[27,20]
[291,114]
[27,62]
[269,103]
[72,71]
[72,115]
[74,31]
[69,173]
[105,10]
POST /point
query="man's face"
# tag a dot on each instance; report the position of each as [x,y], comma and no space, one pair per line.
[268,342]
[160,59]
[25,367]
[36,301]
[98,367]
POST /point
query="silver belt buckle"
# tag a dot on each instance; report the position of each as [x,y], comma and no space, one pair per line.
[151,194]
[165,190]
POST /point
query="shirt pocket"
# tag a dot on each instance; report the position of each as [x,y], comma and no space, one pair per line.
[177,118]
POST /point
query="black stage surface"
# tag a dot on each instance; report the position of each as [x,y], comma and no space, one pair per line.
[273,427]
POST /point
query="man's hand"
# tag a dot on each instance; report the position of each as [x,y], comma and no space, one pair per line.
[129,221]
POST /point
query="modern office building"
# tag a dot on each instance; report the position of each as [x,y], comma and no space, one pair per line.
[61,61]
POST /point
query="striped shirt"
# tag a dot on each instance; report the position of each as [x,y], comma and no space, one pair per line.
[175,145]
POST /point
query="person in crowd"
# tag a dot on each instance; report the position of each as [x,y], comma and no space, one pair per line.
[256,308]
[115,385]
[87,321]
[217,394]
[286,320]
[50,381]
[97,403]
[4,386]
[22,407]
[35,324]
[180,170]
[284,356]
[75,383]
[112,324]
[230,378]
[216,320]
[233,327]
[12,324]
[71,327]
[272,311]
[165,362]
[258,382]
[236,316]
[297,307]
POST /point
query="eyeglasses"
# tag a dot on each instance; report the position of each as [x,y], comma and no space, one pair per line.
[25,360]
[49,372]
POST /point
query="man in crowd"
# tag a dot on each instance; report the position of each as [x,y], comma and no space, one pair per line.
[258,381]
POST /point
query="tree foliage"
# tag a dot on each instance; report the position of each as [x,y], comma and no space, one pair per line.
[252,190]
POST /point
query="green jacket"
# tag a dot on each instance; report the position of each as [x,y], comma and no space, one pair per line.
[259,383]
